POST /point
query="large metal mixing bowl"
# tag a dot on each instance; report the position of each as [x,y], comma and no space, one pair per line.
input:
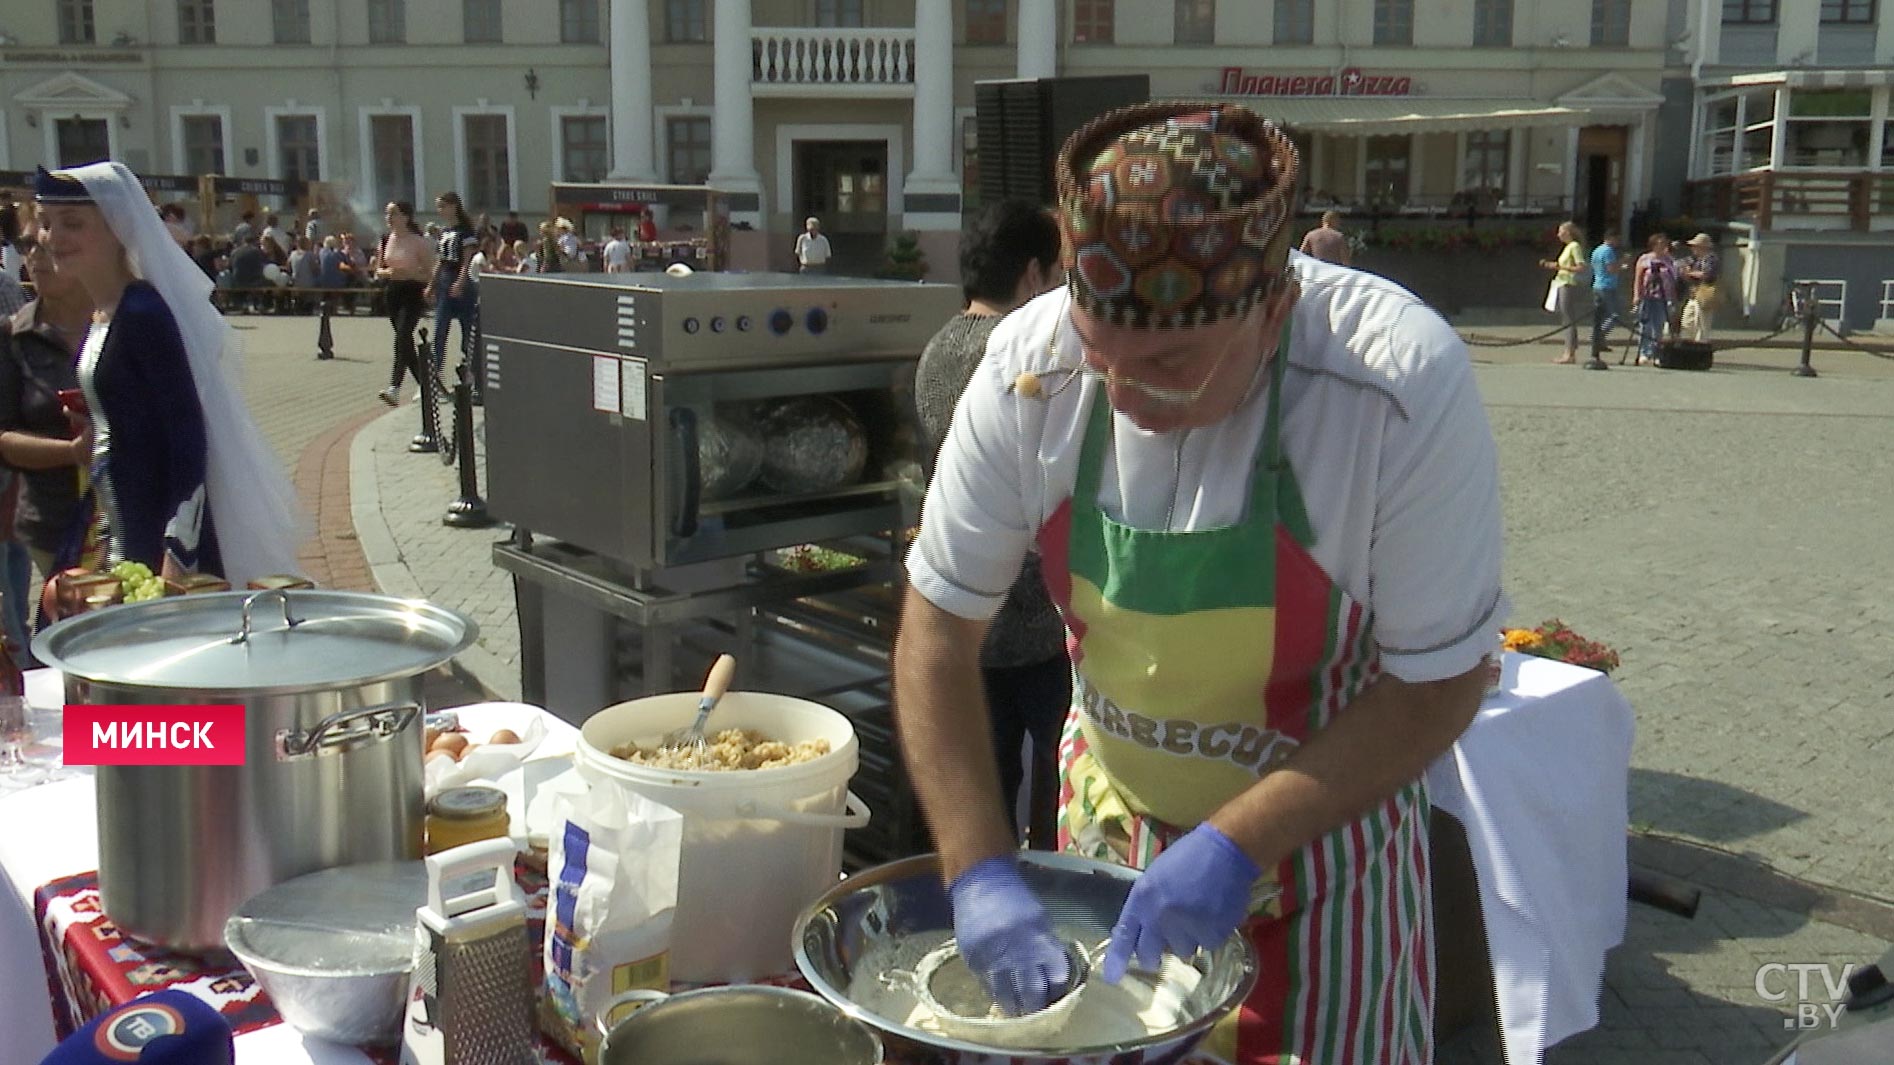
[879,906]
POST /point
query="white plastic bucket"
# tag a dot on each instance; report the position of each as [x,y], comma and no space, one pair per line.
[759,844]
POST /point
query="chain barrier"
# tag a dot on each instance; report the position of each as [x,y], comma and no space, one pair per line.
[1879,353]
[1470,342]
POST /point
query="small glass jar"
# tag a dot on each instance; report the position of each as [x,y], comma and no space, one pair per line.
[460,816]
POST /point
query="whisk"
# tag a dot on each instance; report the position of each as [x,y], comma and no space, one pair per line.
[715,685]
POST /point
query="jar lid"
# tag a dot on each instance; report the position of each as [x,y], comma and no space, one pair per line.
[297,641]
[468,803]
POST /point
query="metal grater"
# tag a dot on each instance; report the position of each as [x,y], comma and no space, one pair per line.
[470,999]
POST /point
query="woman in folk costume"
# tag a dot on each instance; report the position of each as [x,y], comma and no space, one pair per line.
[182,480]
[1265,498]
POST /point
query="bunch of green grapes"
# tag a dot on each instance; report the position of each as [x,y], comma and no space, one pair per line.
[138,581]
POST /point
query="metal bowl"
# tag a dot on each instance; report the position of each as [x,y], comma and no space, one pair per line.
[334,949]
[853,927]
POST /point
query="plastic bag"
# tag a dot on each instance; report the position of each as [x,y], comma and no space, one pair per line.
[613,868]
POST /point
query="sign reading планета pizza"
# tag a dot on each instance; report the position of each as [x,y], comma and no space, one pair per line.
[1235,81]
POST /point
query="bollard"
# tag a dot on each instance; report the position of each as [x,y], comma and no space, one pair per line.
[424,442]
[469,511]
[1805,295]
[325,337]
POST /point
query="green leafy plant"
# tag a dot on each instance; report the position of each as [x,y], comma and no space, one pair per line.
[905,260]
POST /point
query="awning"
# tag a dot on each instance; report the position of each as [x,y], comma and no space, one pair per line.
[1411,114]
[1806,79]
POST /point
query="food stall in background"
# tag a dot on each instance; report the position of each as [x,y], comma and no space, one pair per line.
[690,224]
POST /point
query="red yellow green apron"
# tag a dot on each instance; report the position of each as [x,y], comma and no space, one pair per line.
[1203,660]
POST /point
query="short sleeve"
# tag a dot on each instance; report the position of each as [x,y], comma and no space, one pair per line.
[975,530]
[1435,553]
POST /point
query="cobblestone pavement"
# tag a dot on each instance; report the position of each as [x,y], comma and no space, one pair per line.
[1725,531]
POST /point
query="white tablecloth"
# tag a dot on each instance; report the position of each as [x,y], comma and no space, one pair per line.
[1538,781]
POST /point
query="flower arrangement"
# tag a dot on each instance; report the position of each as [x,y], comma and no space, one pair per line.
[1555,640]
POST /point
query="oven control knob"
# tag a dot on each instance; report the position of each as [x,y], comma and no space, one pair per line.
[781,321]
[817,320]
[690,325]
[716,324]
[743,323]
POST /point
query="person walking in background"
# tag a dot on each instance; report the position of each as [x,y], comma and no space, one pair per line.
[1562,298]
[1654,286]
[312,228]
[1607,308]
[569,251]
[812,248]
[406,261]
[1327,242]
[1008,255]
[617,253]
[246,271]
[39,436]
[453,294]
[1699,275]
[512,230]
[550,260]
[305,272]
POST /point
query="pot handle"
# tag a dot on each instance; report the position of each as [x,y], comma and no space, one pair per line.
[249,603]
[854,814]
[642,995]
[344,731]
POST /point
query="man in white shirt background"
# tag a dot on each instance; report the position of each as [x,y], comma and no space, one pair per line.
[812,248]
[617,253]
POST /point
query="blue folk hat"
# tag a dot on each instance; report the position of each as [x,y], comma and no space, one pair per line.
[58,187]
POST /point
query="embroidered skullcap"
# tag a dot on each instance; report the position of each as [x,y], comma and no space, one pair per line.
[58,187]
[1176,214]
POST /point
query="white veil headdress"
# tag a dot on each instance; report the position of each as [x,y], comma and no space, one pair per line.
[258,523]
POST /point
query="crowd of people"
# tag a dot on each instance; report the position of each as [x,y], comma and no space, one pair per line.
[1673,290]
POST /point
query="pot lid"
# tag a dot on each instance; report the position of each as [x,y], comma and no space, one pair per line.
[352,919]
[296,641]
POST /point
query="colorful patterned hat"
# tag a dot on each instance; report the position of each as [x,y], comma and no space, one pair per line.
[1175,214]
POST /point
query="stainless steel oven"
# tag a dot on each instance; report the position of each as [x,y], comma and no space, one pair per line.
[663,421]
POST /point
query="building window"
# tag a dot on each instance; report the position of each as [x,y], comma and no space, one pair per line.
[578,21]
[1387,170]
[298,148]
[1295,22]
[203,137]
[687,142]
[197,22]
[480,21]
[586,153]
[838,13]
[1394,21]
[291,21]
[75,22]
[1493,23]
[82,140]
[1611,23]
[970,165]
[986,21]
[1092,21]
[1485,166]
[387,21]
[1828,129]
[1196,21]
[1749,12]
[685,20]
[1853,12]
[391,144]
[489,166]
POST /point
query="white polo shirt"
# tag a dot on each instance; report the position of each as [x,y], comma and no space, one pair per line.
[1382,424]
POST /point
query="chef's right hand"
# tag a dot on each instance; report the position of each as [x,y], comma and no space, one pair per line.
[1006,937]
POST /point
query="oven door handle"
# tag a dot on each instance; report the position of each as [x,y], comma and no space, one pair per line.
[686,497]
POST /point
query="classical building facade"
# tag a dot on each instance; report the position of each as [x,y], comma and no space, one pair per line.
[861,111]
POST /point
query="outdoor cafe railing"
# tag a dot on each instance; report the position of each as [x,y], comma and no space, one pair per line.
[1774,199]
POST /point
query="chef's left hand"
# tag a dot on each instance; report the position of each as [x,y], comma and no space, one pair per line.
[1194,895]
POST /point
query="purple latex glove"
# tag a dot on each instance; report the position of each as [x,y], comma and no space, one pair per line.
[1006,937]
[1194,895]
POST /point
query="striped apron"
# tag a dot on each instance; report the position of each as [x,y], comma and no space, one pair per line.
[1202,661]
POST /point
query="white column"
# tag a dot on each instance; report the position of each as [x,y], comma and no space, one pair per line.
[1038,38]
[733,122]
[1884,39]
[633,158]
[1518,147]
[1571,171]
[1798,33]
[933,175]
[1634,190]
[1778,134]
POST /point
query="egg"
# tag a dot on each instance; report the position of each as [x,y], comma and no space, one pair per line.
[429,737]
[505,735]
[436,756]
[453,743]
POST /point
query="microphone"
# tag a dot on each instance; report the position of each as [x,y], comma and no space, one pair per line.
[168,1027]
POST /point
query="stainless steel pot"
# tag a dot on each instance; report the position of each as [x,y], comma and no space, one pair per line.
[739,1024]
[331,683]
